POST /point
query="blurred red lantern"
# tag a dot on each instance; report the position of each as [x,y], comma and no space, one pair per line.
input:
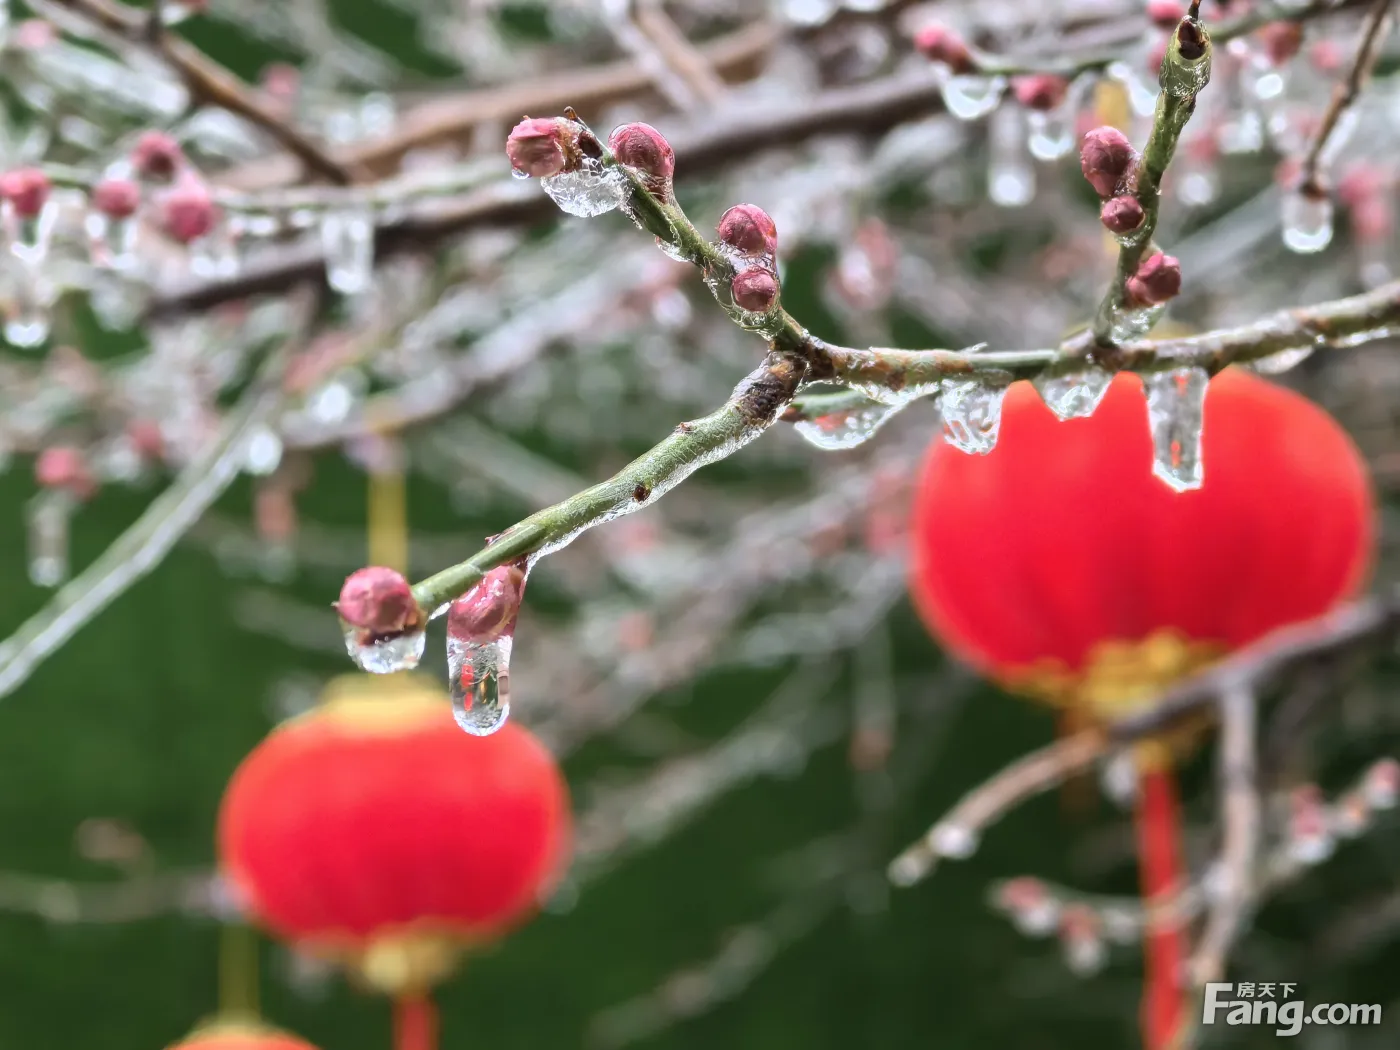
[1061,567]
[372,830]
[240,1037]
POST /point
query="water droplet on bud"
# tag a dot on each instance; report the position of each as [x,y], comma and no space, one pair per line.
[478,675]
[591,190]
[400,652]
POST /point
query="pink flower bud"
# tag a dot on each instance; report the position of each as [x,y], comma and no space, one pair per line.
[1105,157]
[146,438]
[938,43]
[1158,55]
[1158,279]
[489,609]
[187,212]
[1382,784]
[64,467]
[1042,91]
[26,189]
[379,601]
[116,198]
[34,34]
[540,146]
[1327,56]
[643,148]
[157,156]
[1164,14]
[1121,214]
[749,229]
[755,289]
[1281,40]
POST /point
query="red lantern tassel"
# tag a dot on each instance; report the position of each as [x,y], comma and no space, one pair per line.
[415,1022]
[1160,871]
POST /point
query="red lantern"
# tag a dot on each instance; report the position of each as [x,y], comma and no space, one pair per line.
[241,1037]
[1061,567]
[374,831]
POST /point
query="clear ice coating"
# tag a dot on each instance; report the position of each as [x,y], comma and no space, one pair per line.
[971,97]
[1176,414]
[1277,364]
[1075,395]
[1130,322]
[1307,222]
[591,190]
[385,655]
[478,679]
[49,513]
[845,429]
[1010,173]
[347,238]
[1051,133]
[971,414]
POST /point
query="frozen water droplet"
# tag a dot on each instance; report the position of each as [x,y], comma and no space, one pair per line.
[385,655]
[1142,95]
[847,428]
[954,841]
[1307,222]
[1010,175]
[591,190]
[1277,364]
[1051,133]
[264,452]
[673,251]
[478,677]
[1129,322]
[1073,396]
[907,869]
[49,513]
[1242,134]
[28,328]
[518,174]
[1198,187]
[1176,413]
[347,238]
[1119,779]
[1085,955]
[970,97]
[971,414]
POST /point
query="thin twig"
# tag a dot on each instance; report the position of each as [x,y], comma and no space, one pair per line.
[1346,94]
[168,517]
[210,82]
[683,56]
[1239,792]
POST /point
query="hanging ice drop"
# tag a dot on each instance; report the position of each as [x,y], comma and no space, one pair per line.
[478,679]
[1075,395]
[845,429]
[969,97]
[971,414]
[1307,222]
[1176,414]
[387,655]
[49,513]
[347,238]
[589,191]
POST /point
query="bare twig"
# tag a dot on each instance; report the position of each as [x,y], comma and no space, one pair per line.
[1239,792]
[1346,94]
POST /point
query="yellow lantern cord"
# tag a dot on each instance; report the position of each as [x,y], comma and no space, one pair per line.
[238,972]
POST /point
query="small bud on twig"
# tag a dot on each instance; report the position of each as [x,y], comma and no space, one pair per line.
[940,44]
[1281,40]
[187,212]
[26,190]
[541,146]
[1164,14]
[749,229]
[489,609]
[755,289]
[65,467]
[1041,91]
[1106,156]
[116,198]
[1157,280]
[1121,214]
[379,601]
[644,149]
[157,156]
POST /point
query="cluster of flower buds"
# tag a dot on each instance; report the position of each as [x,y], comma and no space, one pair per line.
[1314,826]
[1157,280]
[750,237]
[378,602]
[1109,163]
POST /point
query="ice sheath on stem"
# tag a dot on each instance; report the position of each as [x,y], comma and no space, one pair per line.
[480,636]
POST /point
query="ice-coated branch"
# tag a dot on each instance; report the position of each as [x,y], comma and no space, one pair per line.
[753,407]
[1371,622]
[1143,281]
[207,80]
[168,517]
[1377,26]
[1240,810]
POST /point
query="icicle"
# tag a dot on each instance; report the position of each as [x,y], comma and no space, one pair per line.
[1051,133]
[1129,322]
[1277,364]
[347,238]
[478,676]
[30,236]
[49,513]
[264,452]
[1176,414]
[969,97]
[1075,395]
[1307,221]
[1010,175]
[385,655]
[589,191]
[847,428]
[971,414]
